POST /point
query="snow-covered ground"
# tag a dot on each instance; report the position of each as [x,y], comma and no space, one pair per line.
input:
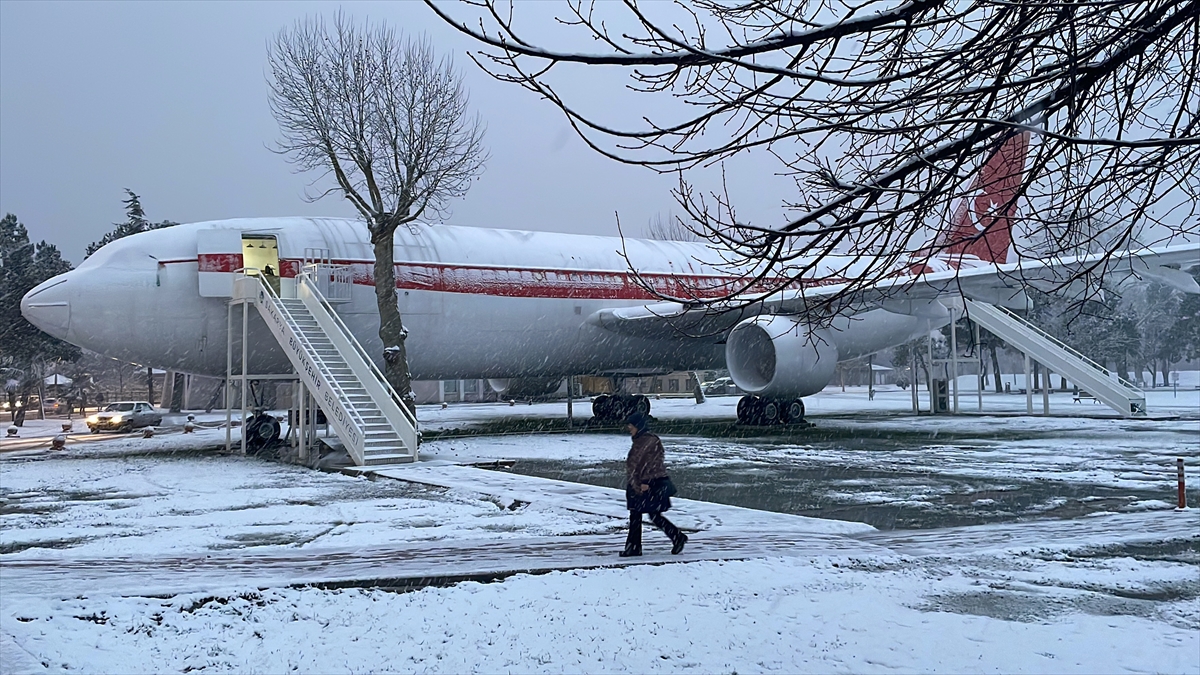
[820,615]
[1039,590]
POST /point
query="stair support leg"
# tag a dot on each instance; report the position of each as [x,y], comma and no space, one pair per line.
[1028,387]
[912,383]
[1045,391]
[979,353]
[228,375]
[302,448]
[954,355]
[929,382]
[245,320]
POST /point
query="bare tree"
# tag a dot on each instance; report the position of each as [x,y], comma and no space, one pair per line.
[881,111]
[389,121]
[670,228]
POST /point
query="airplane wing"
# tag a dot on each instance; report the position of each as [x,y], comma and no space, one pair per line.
[1001,285]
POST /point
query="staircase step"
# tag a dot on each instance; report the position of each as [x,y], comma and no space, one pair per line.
[377,443]
[386,459]
[384,449]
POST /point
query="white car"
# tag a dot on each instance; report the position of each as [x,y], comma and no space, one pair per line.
[124,416]
[722,386]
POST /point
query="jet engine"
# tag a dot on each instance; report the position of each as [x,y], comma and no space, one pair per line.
[779,357]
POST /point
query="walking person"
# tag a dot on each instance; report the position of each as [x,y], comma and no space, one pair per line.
[648,489]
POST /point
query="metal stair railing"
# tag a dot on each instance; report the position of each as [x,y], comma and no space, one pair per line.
[354,447]
[408,431]
[1107,372]
[1134,403]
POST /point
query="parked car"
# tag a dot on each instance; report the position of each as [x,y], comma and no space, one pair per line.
[124,416]
[722,386]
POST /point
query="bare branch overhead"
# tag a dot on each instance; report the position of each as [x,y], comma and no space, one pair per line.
[882,112]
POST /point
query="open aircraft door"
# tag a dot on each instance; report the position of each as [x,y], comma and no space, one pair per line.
[218,254]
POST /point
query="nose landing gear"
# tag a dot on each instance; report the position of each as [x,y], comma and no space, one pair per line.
[755,411]
[261,430]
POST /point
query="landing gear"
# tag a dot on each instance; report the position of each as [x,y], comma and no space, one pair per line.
[755,411]
[616,407]
[262,430]
[794,411]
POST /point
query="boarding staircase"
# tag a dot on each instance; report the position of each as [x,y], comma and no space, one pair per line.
[364,410]
[1102,383]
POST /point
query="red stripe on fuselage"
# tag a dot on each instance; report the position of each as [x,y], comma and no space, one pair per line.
[515,282]
[219,262]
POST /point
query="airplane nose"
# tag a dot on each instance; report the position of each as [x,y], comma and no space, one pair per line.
[47,306]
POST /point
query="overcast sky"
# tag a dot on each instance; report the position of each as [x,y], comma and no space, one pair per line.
[169,99]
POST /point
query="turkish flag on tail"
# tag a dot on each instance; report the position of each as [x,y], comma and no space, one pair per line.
[982,222]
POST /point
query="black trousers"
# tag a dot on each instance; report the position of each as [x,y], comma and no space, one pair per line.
[634,541]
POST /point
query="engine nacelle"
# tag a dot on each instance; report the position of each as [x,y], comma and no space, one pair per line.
[779,357]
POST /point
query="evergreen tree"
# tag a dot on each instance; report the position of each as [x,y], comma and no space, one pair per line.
[1185,332]
[24,265]
[135,222]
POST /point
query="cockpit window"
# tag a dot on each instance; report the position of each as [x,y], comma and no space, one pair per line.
[119,407]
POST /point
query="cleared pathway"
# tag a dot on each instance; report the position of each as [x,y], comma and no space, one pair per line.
[416,564]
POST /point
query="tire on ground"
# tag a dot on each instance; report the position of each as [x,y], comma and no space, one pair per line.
[793,411]
[602,407]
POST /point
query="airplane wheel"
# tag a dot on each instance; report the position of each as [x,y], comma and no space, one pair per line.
[794,411]
[602,407]
[620,408]
[641,404]
[261,431]
[743,404]
[769,412]
[749,409]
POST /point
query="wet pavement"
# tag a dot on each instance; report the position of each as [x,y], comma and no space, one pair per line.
[901,482]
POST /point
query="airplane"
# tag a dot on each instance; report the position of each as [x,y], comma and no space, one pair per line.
[511,306]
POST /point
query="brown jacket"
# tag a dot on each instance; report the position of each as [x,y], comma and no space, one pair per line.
[645,461]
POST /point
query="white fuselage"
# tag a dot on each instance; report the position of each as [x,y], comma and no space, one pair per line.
[477,303]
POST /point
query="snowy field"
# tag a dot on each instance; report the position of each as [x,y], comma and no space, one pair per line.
[1064,555]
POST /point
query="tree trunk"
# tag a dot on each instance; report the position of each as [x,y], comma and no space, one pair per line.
[996,369]
[1166,368]
[178,385]
[391,327]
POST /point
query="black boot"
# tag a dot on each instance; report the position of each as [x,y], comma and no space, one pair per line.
[633,543]
[678,539]
[677,543]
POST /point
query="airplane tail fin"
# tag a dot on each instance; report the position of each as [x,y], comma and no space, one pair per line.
[982,222]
